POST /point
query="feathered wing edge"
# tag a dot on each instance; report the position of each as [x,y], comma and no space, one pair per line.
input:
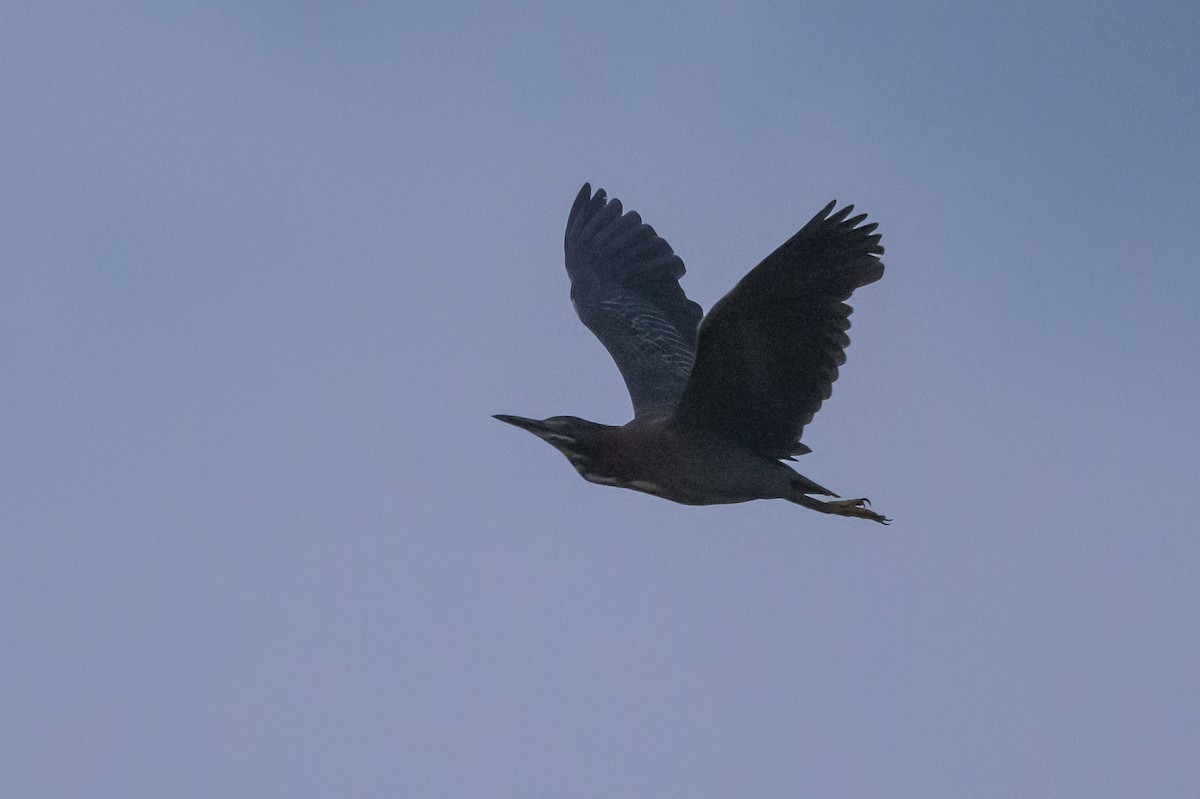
[625,288]
[769,351]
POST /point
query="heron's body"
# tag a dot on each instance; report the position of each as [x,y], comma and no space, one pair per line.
[650,455]
[716,405]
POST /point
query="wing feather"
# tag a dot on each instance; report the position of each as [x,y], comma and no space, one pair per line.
[769,351]
[625,288]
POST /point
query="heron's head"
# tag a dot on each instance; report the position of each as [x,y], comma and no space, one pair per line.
[576,438]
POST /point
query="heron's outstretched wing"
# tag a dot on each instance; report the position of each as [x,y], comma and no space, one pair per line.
[769,351]
[625,287]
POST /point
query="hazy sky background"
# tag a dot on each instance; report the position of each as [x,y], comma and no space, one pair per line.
[268,268]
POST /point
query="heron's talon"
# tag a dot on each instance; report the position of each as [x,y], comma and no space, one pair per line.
[856,508]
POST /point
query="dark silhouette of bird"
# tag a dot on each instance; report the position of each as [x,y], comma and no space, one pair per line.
[720,403]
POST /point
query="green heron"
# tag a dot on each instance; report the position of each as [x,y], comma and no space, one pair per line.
[717,405]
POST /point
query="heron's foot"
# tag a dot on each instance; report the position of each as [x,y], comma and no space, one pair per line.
[856,508]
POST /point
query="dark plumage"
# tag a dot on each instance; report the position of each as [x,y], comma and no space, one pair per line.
[625,288]
[719,402]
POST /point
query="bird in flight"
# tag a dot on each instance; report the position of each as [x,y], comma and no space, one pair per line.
[721,400]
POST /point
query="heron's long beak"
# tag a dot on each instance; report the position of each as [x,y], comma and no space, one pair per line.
[535,426]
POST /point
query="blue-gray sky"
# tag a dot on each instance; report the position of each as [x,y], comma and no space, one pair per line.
[268,268]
